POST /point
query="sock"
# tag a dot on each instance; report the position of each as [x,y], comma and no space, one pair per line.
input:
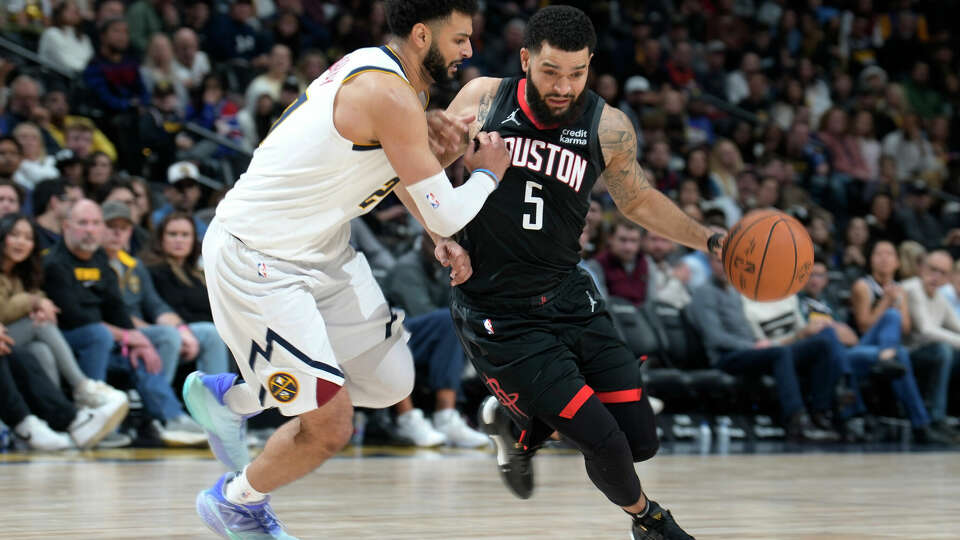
[639,515]
[243,400]
[239,490]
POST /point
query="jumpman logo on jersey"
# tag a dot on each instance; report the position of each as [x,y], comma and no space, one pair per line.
[511,118]
[593,303]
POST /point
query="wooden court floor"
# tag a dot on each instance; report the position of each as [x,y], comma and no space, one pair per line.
[457,494]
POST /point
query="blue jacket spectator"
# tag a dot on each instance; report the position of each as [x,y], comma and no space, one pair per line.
[113,75]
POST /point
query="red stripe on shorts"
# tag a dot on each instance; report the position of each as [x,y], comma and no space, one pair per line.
[578,400]
[621,396]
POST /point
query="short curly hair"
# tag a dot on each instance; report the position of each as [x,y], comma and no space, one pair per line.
[564,27]
[402,15]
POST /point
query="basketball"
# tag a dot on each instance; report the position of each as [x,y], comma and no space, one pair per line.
[768,255]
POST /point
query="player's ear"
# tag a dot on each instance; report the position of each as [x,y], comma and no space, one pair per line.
[525,59]
[421,35]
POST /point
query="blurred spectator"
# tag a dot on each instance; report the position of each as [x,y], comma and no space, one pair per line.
[877,292]
[59,119]
[174,263]
[63,43]
[881,220]
[725,165]
[52,200]
[31,318]
[658,165]
[143,202]
[842,145]
[113,76]
[951,289]
[937,330]
[11,197]
[917,218]
[420,286]
[97,170]
[595,230]
[502,56]
[667,282]
[713,79]
[182,193]
[190,64]
[718,313]
[175,340]
[70,167]
[122,190]
[36,165]
[912,152]
[79,138]
[81,282]
[145,18]
[736,86]
[923,99]
[231,37]
[159,69]
[625,271]
[911,255]
[25,389]
[863,132]
[256,122]
[270,82]
[24,99]
[11,155]
[313,63]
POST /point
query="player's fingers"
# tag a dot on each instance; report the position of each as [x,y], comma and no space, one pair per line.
[484,138]
[496,139]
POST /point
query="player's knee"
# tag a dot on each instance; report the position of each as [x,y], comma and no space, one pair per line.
[327,432]
[645,450]
[396,378]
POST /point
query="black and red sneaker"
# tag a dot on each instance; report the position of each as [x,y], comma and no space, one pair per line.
[513,458]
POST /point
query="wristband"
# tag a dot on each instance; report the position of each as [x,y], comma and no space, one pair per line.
[714,242]
[488,172]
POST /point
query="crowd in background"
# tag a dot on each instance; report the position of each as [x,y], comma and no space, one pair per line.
[843,115]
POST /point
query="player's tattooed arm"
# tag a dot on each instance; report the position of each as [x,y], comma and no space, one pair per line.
[463,118]
[632,187]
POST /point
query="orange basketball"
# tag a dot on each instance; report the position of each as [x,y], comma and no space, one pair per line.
[768,255]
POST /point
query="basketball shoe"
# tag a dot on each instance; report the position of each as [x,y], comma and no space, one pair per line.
[657,524]
[513,459]
[226,430]
[238,521]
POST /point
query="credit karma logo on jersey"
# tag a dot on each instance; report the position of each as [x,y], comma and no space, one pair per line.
[548,158]
[574,136]
[433,200]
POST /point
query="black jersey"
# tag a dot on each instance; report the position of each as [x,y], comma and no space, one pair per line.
[525,239]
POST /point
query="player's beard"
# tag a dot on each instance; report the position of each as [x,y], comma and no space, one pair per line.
[540,109]
[436,67]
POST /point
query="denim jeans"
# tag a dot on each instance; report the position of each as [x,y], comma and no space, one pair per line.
[939,361]
[96,351]
[860,358]
[435,345]
[821,354]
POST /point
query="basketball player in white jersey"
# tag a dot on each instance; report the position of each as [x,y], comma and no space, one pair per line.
[299,309]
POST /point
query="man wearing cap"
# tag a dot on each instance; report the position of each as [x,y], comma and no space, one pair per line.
[919,223]
[169,334]
[95,322]
[182,194]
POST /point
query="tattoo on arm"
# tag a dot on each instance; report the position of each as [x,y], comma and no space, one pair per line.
[626,181]
[483,109]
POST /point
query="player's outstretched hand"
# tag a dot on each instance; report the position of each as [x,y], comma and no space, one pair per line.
[452,255]
[448,135]
[489,153]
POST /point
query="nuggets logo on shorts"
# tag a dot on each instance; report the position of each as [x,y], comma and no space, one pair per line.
[433,200]
[283,387]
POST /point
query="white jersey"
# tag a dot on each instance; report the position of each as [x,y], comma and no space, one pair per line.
[306,181]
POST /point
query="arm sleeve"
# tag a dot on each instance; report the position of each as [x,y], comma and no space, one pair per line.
[446,209]
[15,307]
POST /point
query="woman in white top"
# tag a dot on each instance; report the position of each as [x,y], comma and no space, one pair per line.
[158,68]
[64,44]
[36,166]
[869,145]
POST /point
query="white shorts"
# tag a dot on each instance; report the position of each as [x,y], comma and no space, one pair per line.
[288,325]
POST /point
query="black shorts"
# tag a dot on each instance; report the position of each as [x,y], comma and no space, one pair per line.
[544,357]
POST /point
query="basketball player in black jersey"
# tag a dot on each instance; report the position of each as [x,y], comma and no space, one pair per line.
[531,322]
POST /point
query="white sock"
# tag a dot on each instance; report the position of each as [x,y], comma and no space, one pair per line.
[239,490]
[242,400]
